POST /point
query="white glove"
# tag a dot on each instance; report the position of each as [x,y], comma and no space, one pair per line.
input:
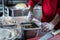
[30,16]
[47,26]
[56,32]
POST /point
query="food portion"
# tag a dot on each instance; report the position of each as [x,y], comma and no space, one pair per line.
[20,5]
[29,25]
[7,20]
[6,34]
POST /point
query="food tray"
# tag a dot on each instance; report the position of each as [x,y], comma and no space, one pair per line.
[29,25]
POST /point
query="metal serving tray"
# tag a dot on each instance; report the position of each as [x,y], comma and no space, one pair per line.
[29,25]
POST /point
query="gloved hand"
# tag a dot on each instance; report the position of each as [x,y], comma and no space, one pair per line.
[30,16]
[47,26]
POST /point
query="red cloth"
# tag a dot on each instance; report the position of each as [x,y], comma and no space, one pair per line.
[33,2]
[49,9]
[57,37]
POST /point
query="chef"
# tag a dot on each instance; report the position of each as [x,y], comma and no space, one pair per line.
[50,13]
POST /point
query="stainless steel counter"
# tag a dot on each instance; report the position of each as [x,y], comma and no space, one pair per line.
[19,28]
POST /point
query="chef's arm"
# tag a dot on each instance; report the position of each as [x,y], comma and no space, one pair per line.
[52,24]
[55,22]
[56,19]
[30,13]
[30,8]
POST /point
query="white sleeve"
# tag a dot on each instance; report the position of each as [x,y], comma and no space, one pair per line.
[29,15]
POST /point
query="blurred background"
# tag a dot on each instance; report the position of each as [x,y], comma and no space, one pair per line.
[12,11]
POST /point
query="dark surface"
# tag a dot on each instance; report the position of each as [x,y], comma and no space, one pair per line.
[1,14]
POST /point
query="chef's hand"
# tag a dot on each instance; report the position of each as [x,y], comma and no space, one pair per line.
[30,16]
[46,27]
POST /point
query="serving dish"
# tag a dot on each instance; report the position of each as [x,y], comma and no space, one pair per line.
[29,25]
